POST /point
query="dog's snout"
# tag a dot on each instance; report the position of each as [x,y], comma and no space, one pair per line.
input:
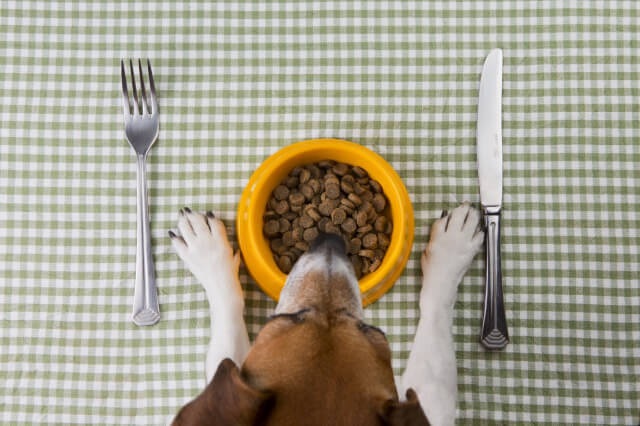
[323,278]
[330,242]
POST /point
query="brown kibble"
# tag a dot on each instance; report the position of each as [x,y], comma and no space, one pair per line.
[338,216]
[358,189]
[290,216]
[270,214]
[325,208]
[375,186]
[296,199]
[359,172]
[340,169]
[315,185]
[287,239]
[375,265]
[315,171]
[310,234]
[305,175]
[306,221]
[379,203]
[295,252]
[322,224]
[383,241]
[348,204]
[281,207]
[313,213]
[369,254]
[361,218]
[349,225]
[380,224]
[296,233]
[292,182]
[367,207]
[372,216]
[346,187]
[366,265]
[326,164]
[348,178]
[302,246]
[284,225]
[364,229]
[370,241]
[307,191]
[357,201]
[354,245]
[332,190]
[332,229]
[275,244]
[330,176]
[281,192]
[285,264]
[271,228]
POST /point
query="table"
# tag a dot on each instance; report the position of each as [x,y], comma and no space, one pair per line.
[239,80]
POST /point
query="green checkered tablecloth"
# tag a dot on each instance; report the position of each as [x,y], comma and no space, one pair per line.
[239,80]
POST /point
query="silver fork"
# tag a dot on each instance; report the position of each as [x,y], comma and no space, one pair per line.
[142,125]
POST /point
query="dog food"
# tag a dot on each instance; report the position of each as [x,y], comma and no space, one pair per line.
[334,198]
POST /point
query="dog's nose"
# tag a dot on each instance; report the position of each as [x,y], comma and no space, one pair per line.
[330,242]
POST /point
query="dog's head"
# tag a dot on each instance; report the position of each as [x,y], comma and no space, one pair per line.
[314,362]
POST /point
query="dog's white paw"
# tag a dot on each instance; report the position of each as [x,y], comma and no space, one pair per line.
[455,240]
[203,246]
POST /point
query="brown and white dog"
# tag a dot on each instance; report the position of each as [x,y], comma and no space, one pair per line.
[316,362]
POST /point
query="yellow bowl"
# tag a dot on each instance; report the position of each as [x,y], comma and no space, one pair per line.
[254,246]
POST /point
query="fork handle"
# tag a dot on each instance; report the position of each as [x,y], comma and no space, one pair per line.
[146,310]
[494,324]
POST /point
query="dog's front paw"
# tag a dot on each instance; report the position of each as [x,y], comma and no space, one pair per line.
[204,247]
[455,239]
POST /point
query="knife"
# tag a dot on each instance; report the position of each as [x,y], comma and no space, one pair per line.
[494,333]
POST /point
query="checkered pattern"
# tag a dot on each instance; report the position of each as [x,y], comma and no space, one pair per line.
[239,80]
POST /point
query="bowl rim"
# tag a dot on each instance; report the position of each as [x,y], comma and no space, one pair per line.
[254,247]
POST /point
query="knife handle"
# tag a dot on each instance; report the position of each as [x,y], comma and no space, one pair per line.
[494,323]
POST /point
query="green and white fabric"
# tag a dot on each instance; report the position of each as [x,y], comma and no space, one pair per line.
[239,80]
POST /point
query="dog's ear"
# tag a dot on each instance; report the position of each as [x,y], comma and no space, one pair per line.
[227,400]
[407,413]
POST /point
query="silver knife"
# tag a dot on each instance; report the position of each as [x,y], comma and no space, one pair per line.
[489,138]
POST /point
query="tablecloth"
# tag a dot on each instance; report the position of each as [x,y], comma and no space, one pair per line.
[239,80]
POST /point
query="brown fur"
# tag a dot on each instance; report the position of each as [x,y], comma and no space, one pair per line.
[308,369]
[319,366]
[227,400]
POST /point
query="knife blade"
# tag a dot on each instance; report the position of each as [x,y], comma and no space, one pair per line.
[494,334]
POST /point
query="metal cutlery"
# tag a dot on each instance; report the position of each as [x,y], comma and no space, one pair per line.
[142,125]
[495,334]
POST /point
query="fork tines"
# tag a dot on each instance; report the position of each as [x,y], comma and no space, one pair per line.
[141,104]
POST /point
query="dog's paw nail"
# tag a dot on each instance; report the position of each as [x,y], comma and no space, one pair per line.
[172,234]
[446,226]
[210,214]
[444,213]
[187,209]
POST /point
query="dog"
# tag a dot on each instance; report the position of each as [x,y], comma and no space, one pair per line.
[315,361]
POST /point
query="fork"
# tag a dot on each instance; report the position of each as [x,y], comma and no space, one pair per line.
[142,125]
